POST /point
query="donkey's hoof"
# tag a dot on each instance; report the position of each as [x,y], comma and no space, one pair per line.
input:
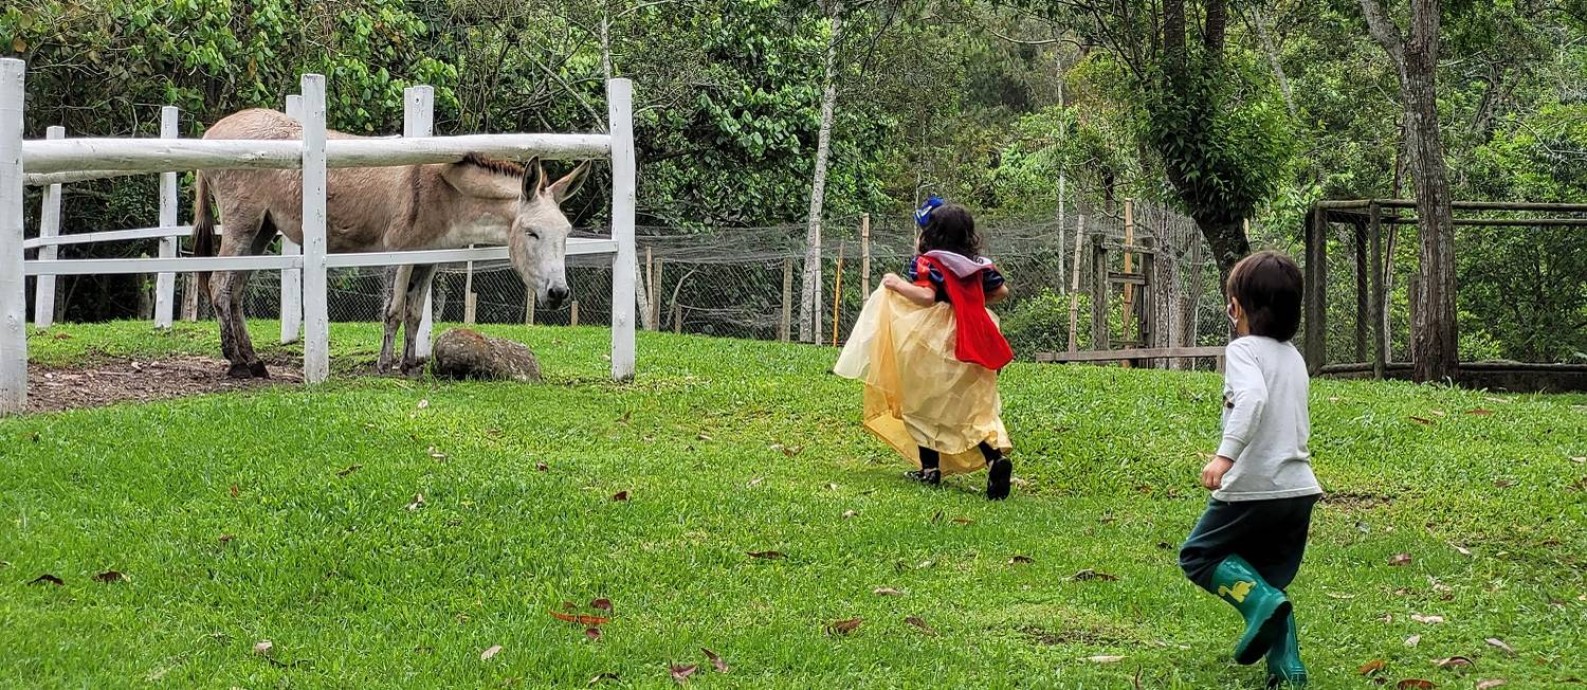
[239,371]
[257,369]
[414,369]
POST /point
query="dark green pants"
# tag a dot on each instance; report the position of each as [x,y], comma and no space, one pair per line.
[1270,535]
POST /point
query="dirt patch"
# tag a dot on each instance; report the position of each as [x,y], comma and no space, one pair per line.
[1350,500]
[108,382]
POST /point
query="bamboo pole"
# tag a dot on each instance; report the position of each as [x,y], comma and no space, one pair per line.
[1129,267]
[1074,290]
[865,254]
[784,331]
[650,290]
[837,298]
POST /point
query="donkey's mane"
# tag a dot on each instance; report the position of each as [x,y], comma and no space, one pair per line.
[500,167]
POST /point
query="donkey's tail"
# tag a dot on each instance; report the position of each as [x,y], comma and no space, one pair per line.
[203,226]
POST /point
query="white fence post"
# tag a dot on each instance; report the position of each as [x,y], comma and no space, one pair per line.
[13,286]
[620,126]
[49,226]
[165,283]
[418,120]
[316,320]
[292,279]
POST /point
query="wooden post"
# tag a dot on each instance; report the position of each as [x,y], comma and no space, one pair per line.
[1074,291]
[573,313]
[650,290]
[1380,344]
[865,255]
[291,278]
[165,283]
[837,297]
[1316,276]
[316,319]
[655,293]
[49,226]
[785,329]
[13,287]
[677,317]
[625,265]
[418,120]
[470,300]
[1129,267]
[1101,339]
[1363,304]
[529,307]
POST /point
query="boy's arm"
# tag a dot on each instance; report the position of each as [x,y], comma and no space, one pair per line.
[1247,397]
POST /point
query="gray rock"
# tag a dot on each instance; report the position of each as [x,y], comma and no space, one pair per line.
[462,353]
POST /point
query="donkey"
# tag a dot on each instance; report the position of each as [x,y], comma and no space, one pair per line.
[476,200]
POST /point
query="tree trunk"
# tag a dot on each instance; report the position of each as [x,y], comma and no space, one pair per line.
[1434,343]
[1229,245]
[809,294]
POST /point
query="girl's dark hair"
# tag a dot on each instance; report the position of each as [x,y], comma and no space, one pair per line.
[952,229]
[1268,287]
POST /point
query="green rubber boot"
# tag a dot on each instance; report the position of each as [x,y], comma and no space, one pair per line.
[1264,608]
[1284,668]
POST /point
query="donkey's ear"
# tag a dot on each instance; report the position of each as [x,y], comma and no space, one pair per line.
[569,185]
[534,178]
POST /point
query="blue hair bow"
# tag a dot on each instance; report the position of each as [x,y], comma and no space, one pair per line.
[923,214]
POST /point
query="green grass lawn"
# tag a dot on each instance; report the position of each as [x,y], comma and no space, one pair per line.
[284,515]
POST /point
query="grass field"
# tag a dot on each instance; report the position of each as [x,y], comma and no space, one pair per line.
[290,515]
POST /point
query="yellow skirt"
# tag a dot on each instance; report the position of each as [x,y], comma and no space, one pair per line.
[916,392]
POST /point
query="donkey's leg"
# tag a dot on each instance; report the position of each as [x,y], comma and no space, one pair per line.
[261,241]
[241,227]
[418,287]
[394,311]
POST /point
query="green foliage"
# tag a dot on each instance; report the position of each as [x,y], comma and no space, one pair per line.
[1040,323]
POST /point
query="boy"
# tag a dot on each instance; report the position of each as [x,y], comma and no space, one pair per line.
[1247,547]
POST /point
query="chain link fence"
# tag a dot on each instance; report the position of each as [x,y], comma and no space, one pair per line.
[745,282]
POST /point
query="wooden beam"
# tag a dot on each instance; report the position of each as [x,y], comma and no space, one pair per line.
[1122,355]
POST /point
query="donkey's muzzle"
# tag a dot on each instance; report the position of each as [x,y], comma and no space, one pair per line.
[556,296]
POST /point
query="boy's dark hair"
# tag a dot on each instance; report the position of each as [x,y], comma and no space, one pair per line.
[952,229]
[1268,287]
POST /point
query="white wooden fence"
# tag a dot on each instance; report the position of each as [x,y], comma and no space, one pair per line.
[57,160]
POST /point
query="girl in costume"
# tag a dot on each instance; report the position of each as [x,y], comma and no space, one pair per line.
[1247,547]
[929,351]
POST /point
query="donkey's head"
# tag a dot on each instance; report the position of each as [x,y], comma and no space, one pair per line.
[537,242]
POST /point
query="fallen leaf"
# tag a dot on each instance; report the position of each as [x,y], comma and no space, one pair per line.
[1489,684]
[493,650]
[424,403]
[542,467]
[264,648]
[1580,460]
[887,592]
[1103,659]
[438,455]
[602,604]
[1371,667]
[620,496]
[234,491]
[226,539]
[47,578]
[581,619]
[845,627]
[592,634]
[1400,559]
[111,576]
[703,437]
[1496,642]
[716,660]
[963,521]
[768,555]
[1452,662]
[1021,560]
[682,673]
[1337,595]
[349,470]
[1461,549]
[1439,413]
[921,624]
[847,514]
[1413,640]
[1503,483]
[789,451]
[418,502]
[602,677]
[1430,620]
[1089,574]
[1480,412]
[1422,420]
[1415,684]
[754,482]
[832,486]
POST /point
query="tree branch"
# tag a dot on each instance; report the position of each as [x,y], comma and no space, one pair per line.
[1385,32]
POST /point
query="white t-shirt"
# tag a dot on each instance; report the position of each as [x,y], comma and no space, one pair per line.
[1266,422]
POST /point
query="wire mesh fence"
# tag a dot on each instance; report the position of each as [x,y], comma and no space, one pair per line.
[745,282]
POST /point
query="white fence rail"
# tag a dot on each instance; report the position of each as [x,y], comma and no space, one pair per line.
[58,160]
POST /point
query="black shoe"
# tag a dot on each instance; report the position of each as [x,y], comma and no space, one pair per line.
[930,477]
[999,474]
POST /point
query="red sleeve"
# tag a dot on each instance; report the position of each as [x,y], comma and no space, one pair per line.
[923,272]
